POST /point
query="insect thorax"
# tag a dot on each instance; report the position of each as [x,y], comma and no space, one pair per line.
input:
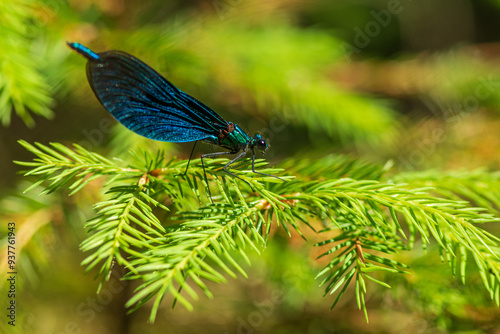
[233,138]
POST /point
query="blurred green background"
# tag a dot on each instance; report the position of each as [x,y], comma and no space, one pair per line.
[414,82]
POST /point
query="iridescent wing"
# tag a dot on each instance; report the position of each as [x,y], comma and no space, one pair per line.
[145,102]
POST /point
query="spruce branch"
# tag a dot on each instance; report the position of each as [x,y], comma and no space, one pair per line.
[200,249]
[335,166]
[452,224]
[23,88]
[59,165]
[124,226]
[362,223]
[479,187]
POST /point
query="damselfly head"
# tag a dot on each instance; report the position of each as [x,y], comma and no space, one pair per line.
[260,143]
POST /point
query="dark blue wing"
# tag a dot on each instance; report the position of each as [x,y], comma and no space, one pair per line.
[148,104]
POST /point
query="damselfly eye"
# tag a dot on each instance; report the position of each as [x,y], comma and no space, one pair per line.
[261,145]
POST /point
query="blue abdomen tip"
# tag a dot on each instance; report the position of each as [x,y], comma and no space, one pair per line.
[83,50]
